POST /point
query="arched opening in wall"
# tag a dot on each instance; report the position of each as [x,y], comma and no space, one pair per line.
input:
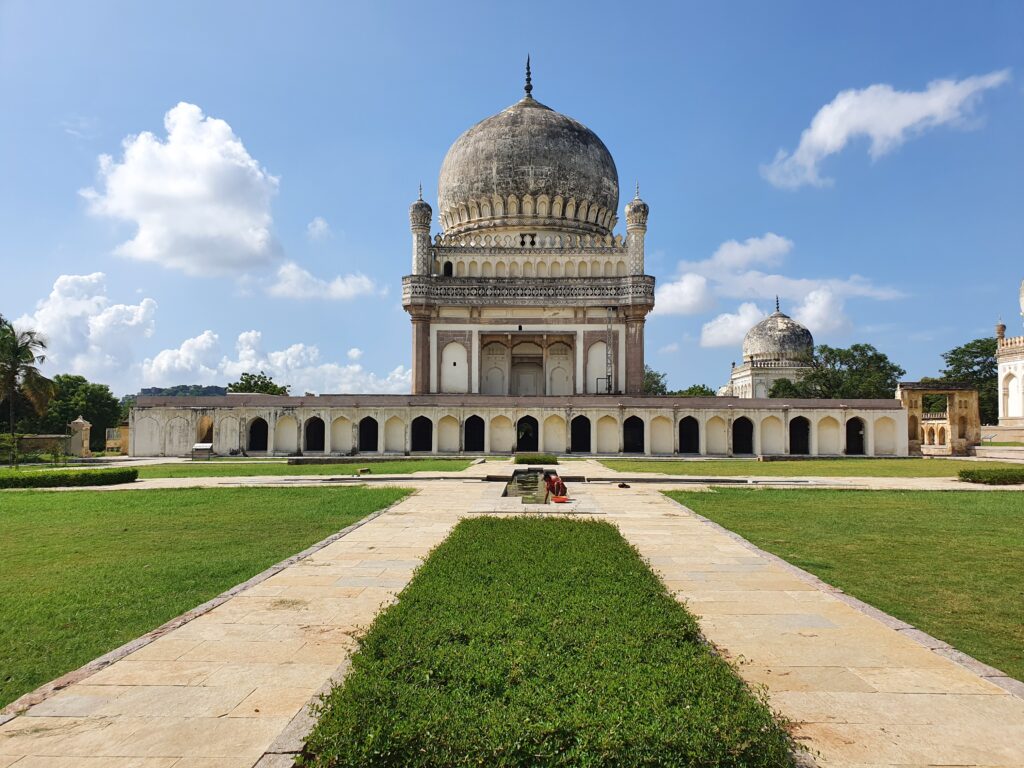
[717,436]
[286,435]
[204,430]
[597,369]
[1011,394]
[554,434]
[460,269]
[258,434]
[454,368]
[620,268]
[422,434]
[341,435]
[394,435]
[448,435]
[526,434]
[447,269]
[607,435]
[473,439]
[961,428]
[315,434]
[500,269]
[828,437]
[799,436]
[502,435]
[661,436]
[773,441]
[942,435]
[930,438]
[580,435]
[855,436]
[885,436]
[583,269]
[742,436]
[368,437]
[633,435]
[912,428]
[689,435]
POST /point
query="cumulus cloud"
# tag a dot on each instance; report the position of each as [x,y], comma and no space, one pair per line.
[294,282]
[769,250]
[355,353]
[200,360]
[729,328]
[200,203]
[688,295]
[669,349]
[882,114]
[318,229]
[87,334]
[822,312]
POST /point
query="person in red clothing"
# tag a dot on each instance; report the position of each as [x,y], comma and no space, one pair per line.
[553,485]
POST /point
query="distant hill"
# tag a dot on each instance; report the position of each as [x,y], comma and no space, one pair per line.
[183,390]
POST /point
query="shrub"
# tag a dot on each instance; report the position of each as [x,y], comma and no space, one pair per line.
[536,458]
[1011,476]
[67,478]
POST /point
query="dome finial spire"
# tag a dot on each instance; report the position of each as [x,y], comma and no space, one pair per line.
[777,303]
[421,191]
[529,85]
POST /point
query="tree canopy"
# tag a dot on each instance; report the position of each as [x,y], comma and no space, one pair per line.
[21,353]
[860,371]
[258,382]
[695,390]
[75,396]
[975,363]
[655,384]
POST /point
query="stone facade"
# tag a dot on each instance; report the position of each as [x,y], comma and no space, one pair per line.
[1010,360]
[951,432]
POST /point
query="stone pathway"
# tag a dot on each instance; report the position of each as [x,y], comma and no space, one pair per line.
[230,688]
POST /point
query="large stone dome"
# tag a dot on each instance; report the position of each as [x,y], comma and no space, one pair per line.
[528,168]
[777,339]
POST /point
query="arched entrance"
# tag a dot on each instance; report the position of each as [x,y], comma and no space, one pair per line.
[258,434]
[799,436]
[422,436]
[580,435]
[742,436]
[689,435]
[633,435]
[526,434]
[204,430]
[855,437]
[315,434]
[474,437]
[368,434]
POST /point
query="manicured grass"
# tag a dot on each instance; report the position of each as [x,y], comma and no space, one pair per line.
[540,642]
[804,467]
[947,562]
[246,469]
[536,458]
[81,574]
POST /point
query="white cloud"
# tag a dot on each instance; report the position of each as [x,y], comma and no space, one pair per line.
[822,312]
[687,295]
[318,229]
[294,282]
[769,249]
[669,349]
[355,353]
[86,333]
[199,360]
[728,329]
[199,201]
[880,113]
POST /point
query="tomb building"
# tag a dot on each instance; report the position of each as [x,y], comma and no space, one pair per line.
[776,348]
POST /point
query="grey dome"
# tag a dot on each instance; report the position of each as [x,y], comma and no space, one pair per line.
[528,166]
[777,339]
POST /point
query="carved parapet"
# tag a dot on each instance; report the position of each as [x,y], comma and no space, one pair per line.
[636,291]
[535,242]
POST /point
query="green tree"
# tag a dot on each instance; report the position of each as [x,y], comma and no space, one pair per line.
[654,382]
[695,390]
[975,363]
[860,371]
[258,382]
[74,396]
[21,353]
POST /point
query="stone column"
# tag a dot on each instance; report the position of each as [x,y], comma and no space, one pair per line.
[420,352]
[702,435]
[328,423]
[271,424]
[474,363]
[647,437]
[757,437]
[785,431]
[842,432]
[634,354]
[581,378]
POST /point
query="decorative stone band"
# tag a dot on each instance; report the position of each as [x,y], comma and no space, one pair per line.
[538,241]
[420,290]
[584,216]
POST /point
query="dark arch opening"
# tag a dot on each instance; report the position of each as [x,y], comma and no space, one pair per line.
[204,432]
[855,437]
[368,434]
[633,435]
[315,434]
[422,434]
[526,434]
[800,436]
[913,432]
[474,437]
[742,436]
[258,432]
[579,438]
[447,269]
[689,435]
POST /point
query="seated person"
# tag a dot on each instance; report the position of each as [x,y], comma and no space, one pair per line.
[553,485]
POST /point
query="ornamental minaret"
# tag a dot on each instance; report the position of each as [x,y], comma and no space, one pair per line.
[636,230]
[420,216]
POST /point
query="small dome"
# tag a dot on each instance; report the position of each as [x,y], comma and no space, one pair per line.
[529,166]
[778,339]
[420,213]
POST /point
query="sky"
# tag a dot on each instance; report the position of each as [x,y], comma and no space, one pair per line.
[191,190]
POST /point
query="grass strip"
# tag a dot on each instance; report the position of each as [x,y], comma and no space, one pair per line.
[946,562]
[260,468]
[536,458]
[66,478]
[867,467]
[82,574]
[540,642]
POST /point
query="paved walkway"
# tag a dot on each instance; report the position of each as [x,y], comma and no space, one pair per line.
[230,687]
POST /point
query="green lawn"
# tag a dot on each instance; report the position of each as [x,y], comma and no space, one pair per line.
[540,642]
[947,562]
[83,573]
[804,467]
[245,469]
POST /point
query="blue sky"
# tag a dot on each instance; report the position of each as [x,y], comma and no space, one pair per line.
[895,221]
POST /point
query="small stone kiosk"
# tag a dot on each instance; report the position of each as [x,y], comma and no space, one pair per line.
[952,432]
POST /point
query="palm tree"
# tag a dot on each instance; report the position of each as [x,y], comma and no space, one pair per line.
[20,354]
